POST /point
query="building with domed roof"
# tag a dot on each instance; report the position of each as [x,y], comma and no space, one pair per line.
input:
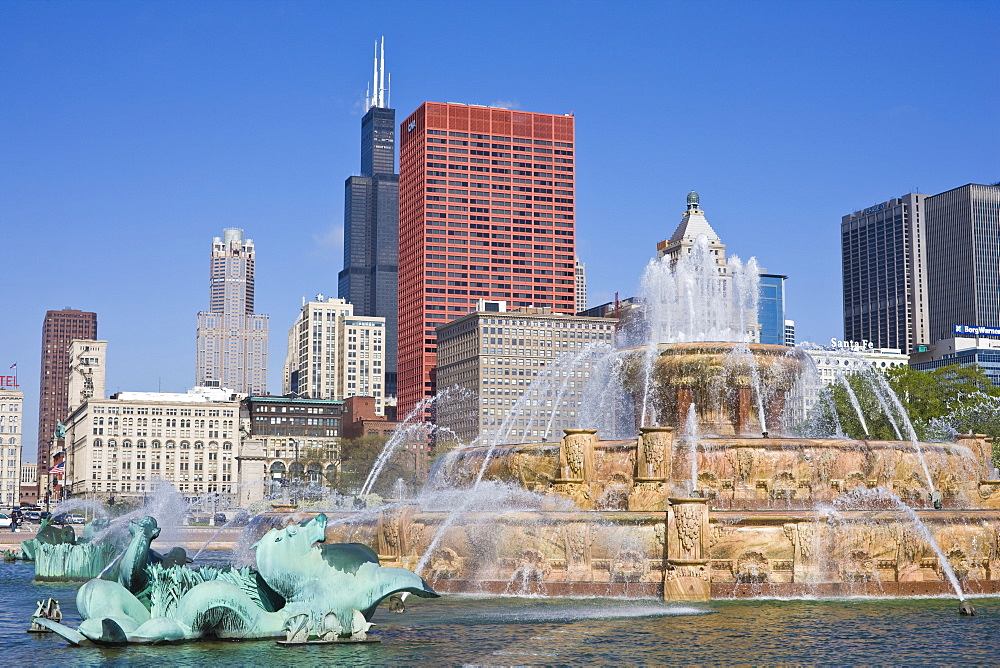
[693,224]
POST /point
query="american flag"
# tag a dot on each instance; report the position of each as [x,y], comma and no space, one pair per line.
[58,469]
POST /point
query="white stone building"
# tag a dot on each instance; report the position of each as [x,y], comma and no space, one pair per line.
[118,447]
[841,358]
[11,431]
[334,354]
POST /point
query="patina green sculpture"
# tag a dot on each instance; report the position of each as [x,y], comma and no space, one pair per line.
[59,555]
[303,588]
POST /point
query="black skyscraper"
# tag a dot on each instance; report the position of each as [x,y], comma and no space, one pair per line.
[371,221]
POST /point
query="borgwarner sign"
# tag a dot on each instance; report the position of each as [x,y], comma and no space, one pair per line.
[992,332]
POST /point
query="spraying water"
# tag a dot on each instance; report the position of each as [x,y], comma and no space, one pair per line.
[854,403]
[692,436]
[872,497]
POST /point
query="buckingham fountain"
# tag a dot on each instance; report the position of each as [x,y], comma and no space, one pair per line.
[694,473]
[688,477]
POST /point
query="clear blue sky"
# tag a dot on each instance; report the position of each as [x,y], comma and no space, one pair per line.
[131,133]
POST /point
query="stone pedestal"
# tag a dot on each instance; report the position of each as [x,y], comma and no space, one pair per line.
[687,576]
[251,476]
[576,466]
[653,464]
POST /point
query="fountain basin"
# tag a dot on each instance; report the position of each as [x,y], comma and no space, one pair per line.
[731,385]
[735,473]
[629,554]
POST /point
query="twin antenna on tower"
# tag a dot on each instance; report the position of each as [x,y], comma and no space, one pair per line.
[379,97]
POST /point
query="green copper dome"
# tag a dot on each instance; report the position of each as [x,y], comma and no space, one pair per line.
[693,199]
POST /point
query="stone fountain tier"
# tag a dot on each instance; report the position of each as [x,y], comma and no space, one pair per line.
[735,473]
[690,552]
[728,383]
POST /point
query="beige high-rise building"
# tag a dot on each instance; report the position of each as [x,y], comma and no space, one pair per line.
[11,431]
[693,225]
[334,354]
[581,286]
[87,368]
[118,447]
[232,339]
[488,359]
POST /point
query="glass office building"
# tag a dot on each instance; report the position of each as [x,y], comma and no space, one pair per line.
[771,309]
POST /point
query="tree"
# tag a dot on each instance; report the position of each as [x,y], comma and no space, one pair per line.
[358,457]
[937,403]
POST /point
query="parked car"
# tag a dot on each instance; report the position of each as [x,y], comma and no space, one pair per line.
[69,518]
[242,519]
[4,521]
[219,519]
[33,516]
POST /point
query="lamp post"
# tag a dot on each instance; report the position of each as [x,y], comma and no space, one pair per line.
[295,496]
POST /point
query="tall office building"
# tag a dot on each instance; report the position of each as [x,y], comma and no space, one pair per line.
[883,251]
[486,212]
[335,354]
[11,431]
[58,331]
[581,286]
[963,259]
[369,279]
[492,355]
[771,309]
[771,304]
[232,339]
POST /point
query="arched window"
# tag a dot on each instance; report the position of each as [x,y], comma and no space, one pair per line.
[227,446]
[171,444]
[112,443]
[140,444]
[97,443]
[155,444]
[185,445]
[198,445]
[126,444]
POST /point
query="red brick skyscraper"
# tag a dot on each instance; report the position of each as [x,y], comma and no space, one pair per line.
[486,202]
[58,330]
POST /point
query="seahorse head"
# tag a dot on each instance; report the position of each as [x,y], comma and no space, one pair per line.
[280,554]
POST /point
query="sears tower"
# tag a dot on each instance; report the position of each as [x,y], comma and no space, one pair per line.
[371,219]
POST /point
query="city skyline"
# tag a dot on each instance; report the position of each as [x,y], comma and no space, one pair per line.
[220,119]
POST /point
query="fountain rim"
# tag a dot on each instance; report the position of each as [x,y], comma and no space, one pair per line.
[720,345]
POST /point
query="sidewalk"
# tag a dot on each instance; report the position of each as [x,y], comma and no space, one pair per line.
[10,540]
[191,538]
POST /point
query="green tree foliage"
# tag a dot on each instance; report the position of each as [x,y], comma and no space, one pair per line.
[939,403]
[358,458]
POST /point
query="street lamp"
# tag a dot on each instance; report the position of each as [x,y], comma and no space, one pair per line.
[295,496]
